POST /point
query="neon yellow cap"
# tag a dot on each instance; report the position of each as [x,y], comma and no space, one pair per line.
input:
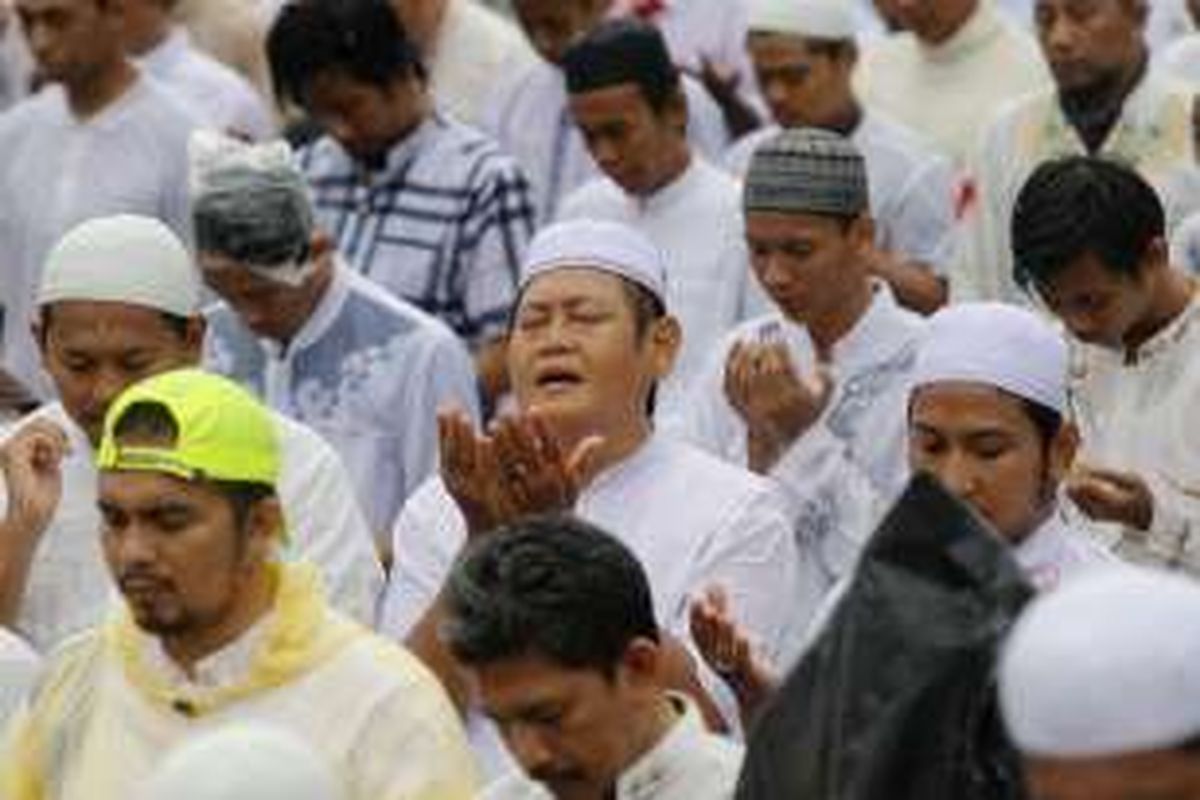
[224,433]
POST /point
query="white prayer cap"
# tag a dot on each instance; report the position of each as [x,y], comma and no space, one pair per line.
[240,762]
[996,344]
[122,259]
[600,245]
[812,19]
[19,668]
[1107,665]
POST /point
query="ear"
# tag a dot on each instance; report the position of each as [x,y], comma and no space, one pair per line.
[675,111]
[641,663]
[1156,257]
[264,530]
[193,338]
[1062,452]
[862,234]
[664,338]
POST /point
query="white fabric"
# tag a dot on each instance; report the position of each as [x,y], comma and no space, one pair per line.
[19,670]
[69,587]
[16,65]
[223,98]
[368,372]
[1181,59]
[691,520]
[597,244]
[697,222]
[242,761]
[1106,666]
[1137,413]
[531,120]
[999,345]
[124,258]
[689,763]
[1154,134]
[835,474]
[51,179]
[475,54]
[817,19]
[946,92]
[911,188]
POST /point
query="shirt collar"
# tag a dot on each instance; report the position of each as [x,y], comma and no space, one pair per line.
[229,665]
[673,192]
[1039,555]
[984,25]
[322,317]
[1165,340]
[668,759]
[169,52]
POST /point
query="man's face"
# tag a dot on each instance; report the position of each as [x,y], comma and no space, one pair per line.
[175,551]
[271,309]
[630,142]
[570,729]
[931,21]
[1157,775]
[365,119]
[554,25]
[1098,306]
[71,40]
[575,355]
[1089,42]
[93,350]
[808,264]
[801,89]
[983,447]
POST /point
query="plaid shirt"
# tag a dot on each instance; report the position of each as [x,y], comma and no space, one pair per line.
[443,224]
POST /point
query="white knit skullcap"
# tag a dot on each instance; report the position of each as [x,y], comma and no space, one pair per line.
[600,245]
[811,19]
[999,345]
[19,668]
[243,761]
[122,259]
[1107,665]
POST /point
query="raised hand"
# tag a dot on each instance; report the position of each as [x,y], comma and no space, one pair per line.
[728,651]
[1111,496]
[31,462]
[535,475]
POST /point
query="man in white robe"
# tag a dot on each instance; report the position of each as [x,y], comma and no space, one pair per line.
[1089,241]
[214,628]
[314,339]
[100,139]
[530,118]
[119,301]
[625,97]
[589,340]
[812,394]
[804,54]
[1109,100]
[956,61]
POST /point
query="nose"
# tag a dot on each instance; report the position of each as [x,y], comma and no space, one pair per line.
[1058,36]
[604,152]
[773,269]
[130,548]
[957,475]
[530,747]
[108,384]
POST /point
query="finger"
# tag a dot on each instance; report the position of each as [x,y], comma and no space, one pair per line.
[583,460]
[547,442]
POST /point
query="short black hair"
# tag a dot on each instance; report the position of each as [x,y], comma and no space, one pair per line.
[621,51]
[154,422]
[364,39]
[1074,206]
[1045,419]
[550,586]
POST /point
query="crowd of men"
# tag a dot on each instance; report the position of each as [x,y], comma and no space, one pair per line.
[449,399]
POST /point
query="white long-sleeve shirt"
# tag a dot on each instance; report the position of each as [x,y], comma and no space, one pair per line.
[69,587]
[367,371]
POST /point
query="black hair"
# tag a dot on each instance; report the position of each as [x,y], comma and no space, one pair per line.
[550,586]
[150,421]
[1080,205]
[177,324]
[364,39]
[832,49]
[1046,420]
[623,51]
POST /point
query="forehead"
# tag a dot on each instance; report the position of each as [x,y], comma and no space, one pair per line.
[619,99]
[137,490]
[968,407]
[766,45]
[1123,8]
[781,225]
[1088,273]
[48,6]
[511,684]
[85,323]
[573,284]
[335,86]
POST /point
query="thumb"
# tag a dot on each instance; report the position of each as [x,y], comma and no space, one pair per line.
[583,459]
